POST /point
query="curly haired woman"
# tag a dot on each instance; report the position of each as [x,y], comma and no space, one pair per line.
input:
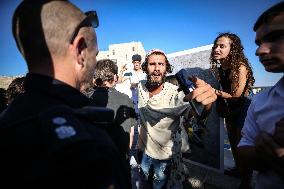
[235,76]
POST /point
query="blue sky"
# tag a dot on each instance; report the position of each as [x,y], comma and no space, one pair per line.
[170,25]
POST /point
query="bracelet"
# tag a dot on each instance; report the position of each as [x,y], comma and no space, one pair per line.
[218,92]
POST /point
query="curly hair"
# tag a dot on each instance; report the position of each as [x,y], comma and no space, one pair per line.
[156,52]
[236,58]
[3,99]
[15,88]
[105,70]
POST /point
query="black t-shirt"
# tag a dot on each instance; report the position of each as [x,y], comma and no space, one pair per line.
[225,79]
[120,103]
[125,116]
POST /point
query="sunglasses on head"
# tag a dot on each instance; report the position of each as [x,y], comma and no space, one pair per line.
[91,20]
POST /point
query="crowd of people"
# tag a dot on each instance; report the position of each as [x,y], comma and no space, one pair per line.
[65,125]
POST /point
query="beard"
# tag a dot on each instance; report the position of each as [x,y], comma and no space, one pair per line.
[86,80]
[152,83]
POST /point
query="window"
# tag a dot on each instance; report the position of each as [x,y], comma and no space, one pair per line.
[133,48]
[113,52]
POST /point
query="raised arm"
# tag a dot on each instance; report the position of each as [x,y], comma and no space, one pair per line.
[241,85]
[121,78]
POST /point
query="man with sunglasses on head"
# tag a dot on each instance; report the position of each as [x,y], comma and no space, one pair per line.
[52,136]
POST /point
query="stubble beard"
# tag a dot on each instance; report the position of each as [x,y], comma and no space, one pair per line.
[87,78]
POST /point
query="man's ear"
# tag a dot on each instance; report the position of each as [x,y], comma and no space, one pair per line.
[80,48]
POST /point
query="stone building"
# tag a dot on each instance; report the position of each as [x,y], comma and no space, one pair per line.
[122,53]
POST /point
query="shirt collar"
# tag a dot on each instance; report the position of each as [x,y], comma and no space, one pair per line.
[57,89]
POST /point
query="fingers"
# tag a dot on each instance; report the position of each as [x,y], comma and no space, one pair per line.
[203,93]
[198,82]
[124,67]
[266,144]
[282,120]
[278,135]
[278,151]
[280,124]
[262,146]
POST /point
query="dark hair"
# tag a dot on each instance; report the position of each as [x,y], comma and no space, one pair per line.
[236,57]
[270,13]
[105,70]
[145,63]
[15,88]
[42,27]
[3,100]
[136,57]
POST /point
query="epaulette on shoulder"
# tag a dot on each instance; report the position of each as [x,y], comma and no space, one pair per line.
[96,114]
[7,122]
[60,127]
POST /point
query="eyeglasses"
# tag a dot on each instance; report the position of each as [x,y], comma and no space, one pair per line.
[91,20]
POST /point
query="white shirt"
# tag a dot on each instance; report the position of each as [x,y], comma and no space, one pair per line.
[132,77]
[135,76]
[265,110]
[160,118]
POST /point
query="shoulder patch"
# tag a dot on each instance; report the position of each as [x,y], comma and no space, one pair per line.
[65,132]
[59,120]
[61,127]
